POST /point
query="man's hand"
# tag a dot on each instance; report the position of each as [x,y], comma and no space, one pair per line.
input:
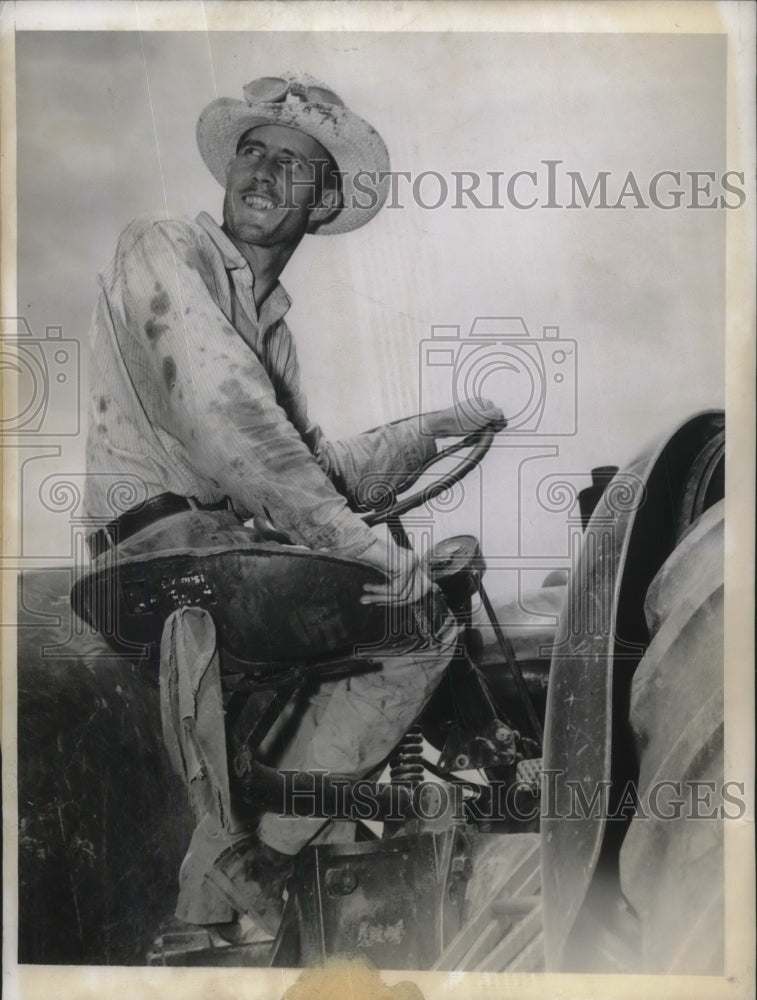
[463,418]
[406,582]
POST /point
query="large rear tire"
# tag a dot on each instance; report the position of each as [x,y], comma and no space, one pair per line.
[671,860]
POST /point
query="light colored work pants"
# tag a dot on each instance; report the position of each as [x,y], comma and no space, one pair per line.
[347,727]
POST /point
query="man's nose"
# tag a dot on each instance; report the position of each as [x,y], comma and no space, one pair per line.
[264,169]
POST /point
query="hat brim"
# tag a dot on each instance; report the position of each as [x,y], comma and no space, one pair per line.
[356,147]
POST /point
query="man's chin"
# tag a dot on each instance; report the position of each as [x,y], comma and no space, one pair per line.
[257,227]
[261,219]
[265,227]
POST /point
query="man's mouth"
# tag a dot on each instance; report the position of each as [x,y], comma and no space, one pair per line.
[259,202]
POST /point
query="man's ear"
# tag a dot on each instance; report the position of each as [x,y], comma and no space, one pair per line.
[325,210]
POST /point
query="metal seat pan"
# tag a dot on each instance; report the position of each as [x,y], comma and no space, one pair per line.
[271,603]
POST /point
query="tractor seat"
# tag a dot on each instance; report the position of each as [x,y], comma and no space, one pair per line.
[273,606]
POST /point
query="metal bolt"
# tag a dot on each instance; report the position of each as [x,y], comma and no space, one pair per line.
[462,760]
[503,734]
[462,866]
[349,880]
[341,881]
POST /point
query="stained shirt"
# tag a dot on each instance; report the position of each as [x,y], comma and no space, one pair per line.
[194,392]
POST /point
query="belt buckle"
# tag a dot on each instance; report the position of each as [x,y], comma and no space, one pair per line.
[99,542]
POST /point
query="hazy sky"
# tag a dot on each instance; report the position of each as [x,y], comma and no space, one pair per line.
[106,132]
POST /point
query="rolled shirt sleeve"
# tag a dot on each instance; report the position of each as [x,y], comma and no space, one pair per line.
[363,466]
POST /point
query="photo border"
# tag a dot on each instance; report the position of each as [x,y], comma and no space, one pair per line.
[737,21]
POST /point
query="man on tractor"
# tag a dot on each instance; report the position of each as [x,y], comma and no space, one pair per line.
[196,398]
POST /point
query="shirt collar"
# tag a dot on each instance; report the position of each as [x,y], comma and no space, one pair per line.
[232,255]
[278,302]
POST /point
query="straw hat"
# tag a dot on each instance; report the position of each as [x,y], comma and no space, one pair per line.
[302,102]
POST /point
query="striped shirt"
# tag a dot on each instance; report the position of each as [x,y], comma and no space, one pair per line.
[195,393]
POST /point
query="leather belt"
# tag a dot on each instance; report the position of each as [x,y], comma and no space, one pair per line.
[143,515]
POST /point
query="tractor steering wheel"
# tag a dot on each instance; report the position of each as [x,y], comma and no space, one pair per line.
[391,508]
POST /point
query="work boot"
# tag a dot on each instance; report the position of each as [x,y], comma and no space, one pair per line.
[179,941]
[252,876]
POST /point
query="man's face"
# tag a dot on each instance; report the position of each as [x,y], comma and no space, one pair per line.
[272,185]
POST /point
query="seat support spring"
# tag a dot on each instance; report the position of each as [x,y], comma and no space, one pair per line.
[406,763]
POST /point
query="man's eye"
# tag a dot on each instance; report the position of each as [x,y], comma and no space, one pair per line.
[249,151]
